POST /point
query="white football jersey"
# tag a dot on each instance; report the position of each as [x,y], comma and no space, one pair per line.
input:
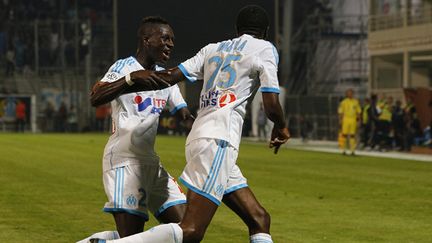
[232,71]
[135,118]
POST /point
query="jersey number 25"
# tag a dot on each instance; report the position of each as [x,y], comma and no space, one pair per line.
[223,65]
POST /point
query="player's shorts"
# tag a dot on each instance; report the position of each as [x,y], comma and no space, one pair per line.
[211,169]
[136,188]
[349,126]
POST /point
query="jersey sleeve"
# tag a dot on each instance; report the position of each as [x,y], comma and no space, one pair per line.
[340,108]
[193,68]
[175,100]
[358,107]
[267,68]
[116,71]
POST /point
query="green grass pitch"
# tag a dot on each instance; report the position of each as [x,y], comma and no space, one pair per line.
[51,191]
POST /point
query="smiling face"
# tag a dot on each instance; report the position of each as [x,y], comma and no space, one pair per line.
[158,43]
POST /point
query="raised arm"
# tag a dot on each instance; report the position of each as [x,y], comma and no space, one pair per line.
[273,110]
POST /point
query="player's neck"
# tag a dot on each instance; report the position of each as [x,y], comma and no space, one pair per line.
[145,62]
[253,35]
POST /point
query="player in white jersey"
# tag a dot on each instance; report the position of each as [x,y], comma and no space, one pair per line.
[134,179]
[232,70]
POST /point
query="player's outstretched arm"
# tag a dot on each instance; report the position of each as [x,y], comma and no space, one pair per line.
[273,109]
[171,76]
[141,80]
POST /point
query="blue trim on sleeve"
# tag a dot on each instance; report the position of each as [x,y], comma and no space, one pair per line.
[182,105]
[196,190]
[168,205]
[186,73]
[235,188]
[129,211]
[269,90]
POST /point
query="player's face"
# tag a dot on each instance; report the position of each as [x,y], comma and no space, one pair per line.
[160,43]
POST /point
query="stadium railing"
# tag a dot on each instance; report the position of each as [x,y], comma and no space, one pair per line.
[415,15]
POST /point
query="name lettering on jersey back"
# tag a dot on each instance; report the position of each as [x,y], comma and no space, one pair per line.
[228,46]
[157,105]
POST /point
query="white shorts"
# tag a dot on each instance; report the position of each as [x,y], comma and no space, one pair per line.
[136,188]
[211,169]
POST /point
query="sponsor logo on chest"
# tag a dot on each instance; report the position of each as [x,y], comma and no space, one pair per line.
[156,104]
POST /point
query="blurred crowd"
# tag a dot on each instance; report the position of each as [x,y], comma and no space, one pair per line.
[64,118]
[388,125]
[18,31]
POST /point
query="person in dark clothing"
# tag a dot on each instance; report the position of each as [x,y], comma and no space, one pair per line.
[410,122]
[373,119]
[430,125]
[398,123]
[61,118]
[365,123]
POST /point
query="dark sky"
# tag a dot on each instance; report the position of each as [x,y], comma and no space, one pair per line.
[195,22]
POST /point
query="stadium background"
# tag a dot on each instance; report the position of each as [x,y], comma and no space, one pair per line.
[58,49]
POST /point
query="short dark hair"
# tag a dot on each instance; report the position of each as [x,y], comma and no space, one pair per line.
[252,19]
[147,21]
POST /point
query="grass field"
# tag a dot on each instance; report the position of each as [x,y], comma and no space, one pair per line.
[51,191]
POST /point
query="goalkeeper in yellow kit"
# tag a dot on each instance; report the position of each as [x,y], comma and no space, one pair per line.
[349,114]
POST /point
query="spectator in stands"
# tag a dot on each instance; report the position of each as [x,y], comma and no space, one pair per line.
[102,113]
[54,44]
[29,54]
[373,120]
[21,116]
[261,122]
[412,122]
[85,40]
[430,124]
[365,123]
[69,49]
[384,124]
[62,115]
[408,132]
[72,119]
[2,108]
[3,41]
[49,117]
[10,61]
[398,124]
[19,53]
[306,128]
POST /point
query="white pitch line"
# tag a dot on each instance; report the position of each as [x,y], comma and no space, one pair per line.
[393,155]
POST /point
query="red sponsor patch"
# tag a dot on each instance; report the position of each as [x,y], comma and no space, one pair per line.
[227,98]
[138,99]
